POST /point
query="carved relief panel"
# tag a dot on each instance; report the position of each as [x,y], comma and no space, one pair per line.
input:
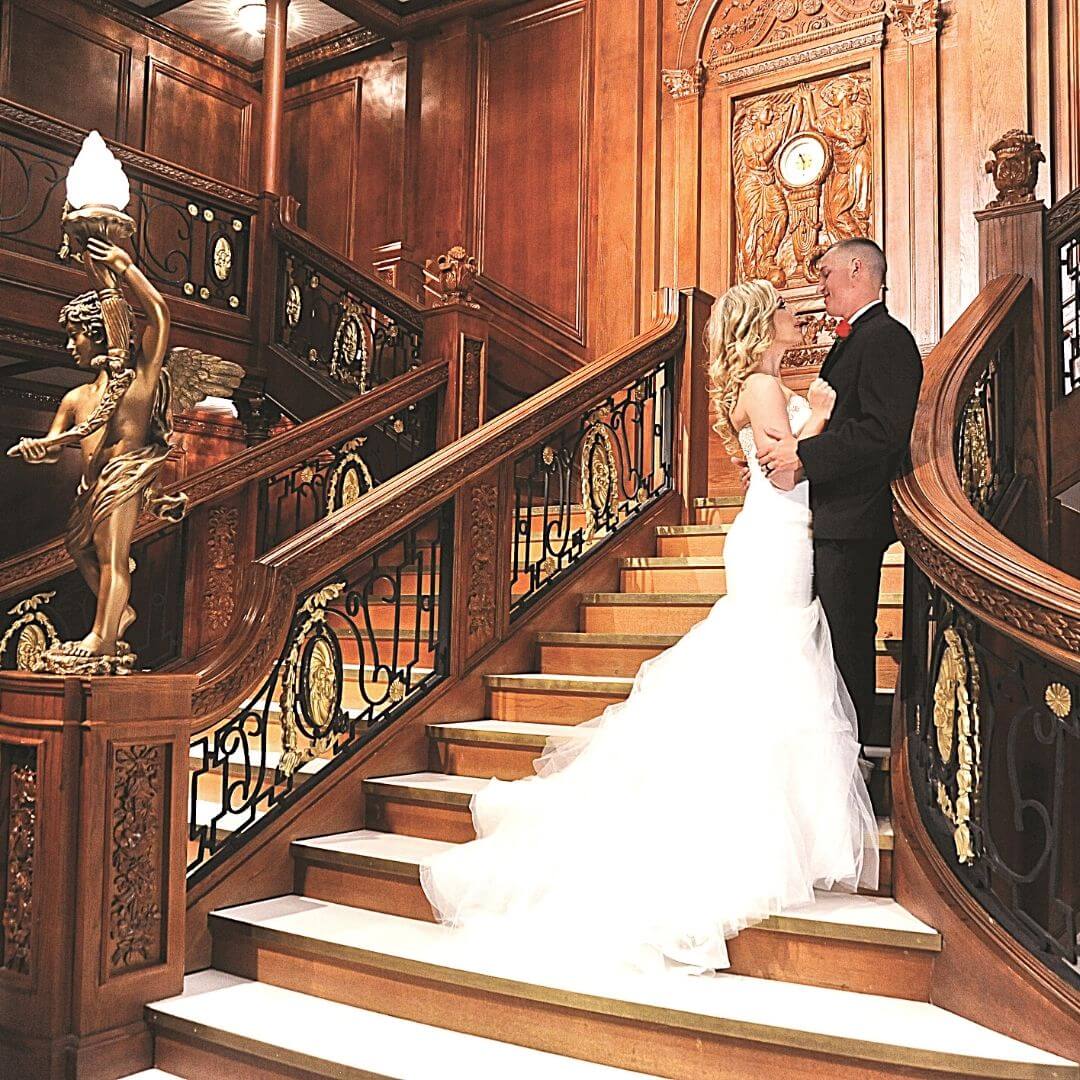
[741,28]
[803,165]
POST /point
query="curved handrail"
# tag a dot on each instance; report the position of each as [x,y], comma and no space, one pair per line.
[280,576]
[31,568]
[988,689]
[991,576]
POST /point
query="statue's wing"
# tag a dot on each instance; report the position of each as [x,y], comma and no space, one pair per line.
[195,375]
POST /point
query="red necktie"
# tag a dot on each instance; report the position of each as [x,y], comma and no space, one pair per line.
[843,329]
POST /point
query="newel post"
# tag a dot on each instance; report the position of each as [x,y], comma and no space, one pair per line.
[693,421]
[1012,240]
[92,855]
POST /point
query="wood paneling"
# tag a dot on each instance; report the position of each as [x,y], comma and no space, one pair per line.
[197,124]
[345,146]
[67,70]
[532,160]
[322,129]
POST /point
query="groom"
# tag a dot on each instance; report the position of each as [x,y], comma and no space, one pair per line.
[875,368]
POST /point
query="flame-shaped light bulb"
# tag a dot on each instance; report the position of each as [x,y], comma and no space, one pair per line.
[97,178]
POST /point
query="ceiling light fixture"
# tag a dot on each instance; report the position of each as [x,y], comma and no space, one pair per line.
[252,18]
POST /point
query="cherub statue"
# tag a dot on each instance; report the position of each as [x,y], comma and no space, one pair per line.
[123,422]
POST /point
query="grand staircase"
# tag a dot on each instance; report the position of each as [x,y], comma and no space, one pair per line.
[349,976]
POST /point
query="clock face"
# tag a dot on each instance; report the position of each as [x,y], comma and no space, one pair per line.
[803,160]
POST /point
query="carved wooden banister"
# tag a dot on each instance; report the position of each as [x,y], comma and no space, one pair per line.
[994,578]
[349,623]
[987,741]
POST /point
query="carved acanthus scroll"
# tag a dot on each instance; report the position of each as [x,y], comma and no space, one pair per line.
[684,82]
[785,217]
[917,20]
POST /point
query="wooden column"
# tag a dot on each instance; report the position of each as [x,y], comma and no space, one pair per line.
[693,428]
[919,24]
[93,777]
[458,333]
[277,13]
[686,87]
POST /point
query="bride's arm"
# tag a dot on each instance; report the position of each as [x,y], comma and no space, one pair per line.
[766,408]
[822,398]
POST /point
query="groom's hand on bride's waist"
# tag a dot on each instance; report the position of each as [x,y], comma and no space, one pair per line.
[744,471]
[780,454]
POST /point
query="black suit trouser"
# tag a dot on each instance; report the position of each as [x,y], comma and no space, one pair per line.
[847,577]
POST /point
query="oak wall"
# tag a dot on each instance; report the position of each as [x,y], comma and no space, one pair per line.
[74,62]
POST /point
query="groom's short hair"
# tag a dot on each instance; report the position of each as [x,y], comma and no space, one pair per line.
[872,257]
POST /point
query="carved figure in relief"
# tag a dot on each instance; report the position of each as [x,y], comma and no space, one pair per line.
[761,208]
[848,186]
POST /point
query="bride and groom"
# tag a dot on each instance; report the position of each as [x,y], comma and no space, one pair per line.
[727,786]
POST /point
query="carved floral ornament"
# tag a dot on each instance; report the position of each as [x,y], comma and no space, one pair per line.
[681,83]
[456,271]
[916,21]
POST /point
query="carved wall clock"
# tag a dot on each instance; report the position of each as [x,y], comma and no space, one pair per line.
[803,160]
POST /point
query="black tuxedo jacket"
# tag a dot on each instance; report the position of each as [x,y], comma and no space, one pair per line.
[876,372]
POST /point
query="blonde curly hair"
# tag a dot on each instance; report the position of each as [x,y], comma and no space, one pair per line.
[739,330]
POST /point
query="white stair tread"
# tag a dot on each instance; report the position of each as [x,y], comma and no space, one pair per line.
[837,909]
[257,758]
[752,1008]
[327,1032]
[367,843]
[433,781]
[151,1074]
[206,810]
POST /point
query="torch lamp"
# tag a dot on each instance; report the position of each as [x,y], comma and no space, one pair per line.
[98,193]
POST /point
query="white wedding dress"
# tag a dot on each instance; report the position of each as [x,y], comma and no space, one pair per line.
[724,789]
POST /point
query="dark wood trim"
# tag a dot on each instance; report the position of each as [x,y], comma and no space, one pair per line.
[49,131]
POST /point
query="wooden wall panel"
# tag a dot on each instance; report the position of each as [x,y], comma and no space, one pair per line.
[74,72]
[345,141]
[197,124]
[532,160]
[322,134]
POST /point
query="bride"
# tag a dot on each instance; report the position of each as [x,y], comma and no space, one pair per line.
[726,787]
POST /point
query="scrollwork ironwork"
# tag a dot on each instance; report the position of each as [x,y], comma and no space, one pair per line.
[993,773]
[363,646]
[588,481]
[348,336]
[188,245]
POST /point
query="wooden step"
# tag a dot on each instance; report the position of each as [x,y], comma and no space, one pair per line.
[488,748]
[707,573]
[683,573]
[569,653]
[552,699]
[223,1025]
[717,509]
[864,943]
[691,539]
[681,1027]
[675,613]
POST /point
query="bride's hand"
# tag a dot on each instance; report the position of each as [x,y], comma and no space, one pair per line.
[822,397]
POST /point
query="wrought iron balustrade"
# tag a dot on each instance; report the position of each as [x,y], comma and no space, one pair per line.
[188,242]
[365,644]
[306,492]
[994,750]
[984,433]
[1063,249]
[590,479]
[352,332]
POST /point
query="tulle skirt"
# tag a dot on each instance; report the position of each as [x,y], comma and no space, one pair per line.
[724,789]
